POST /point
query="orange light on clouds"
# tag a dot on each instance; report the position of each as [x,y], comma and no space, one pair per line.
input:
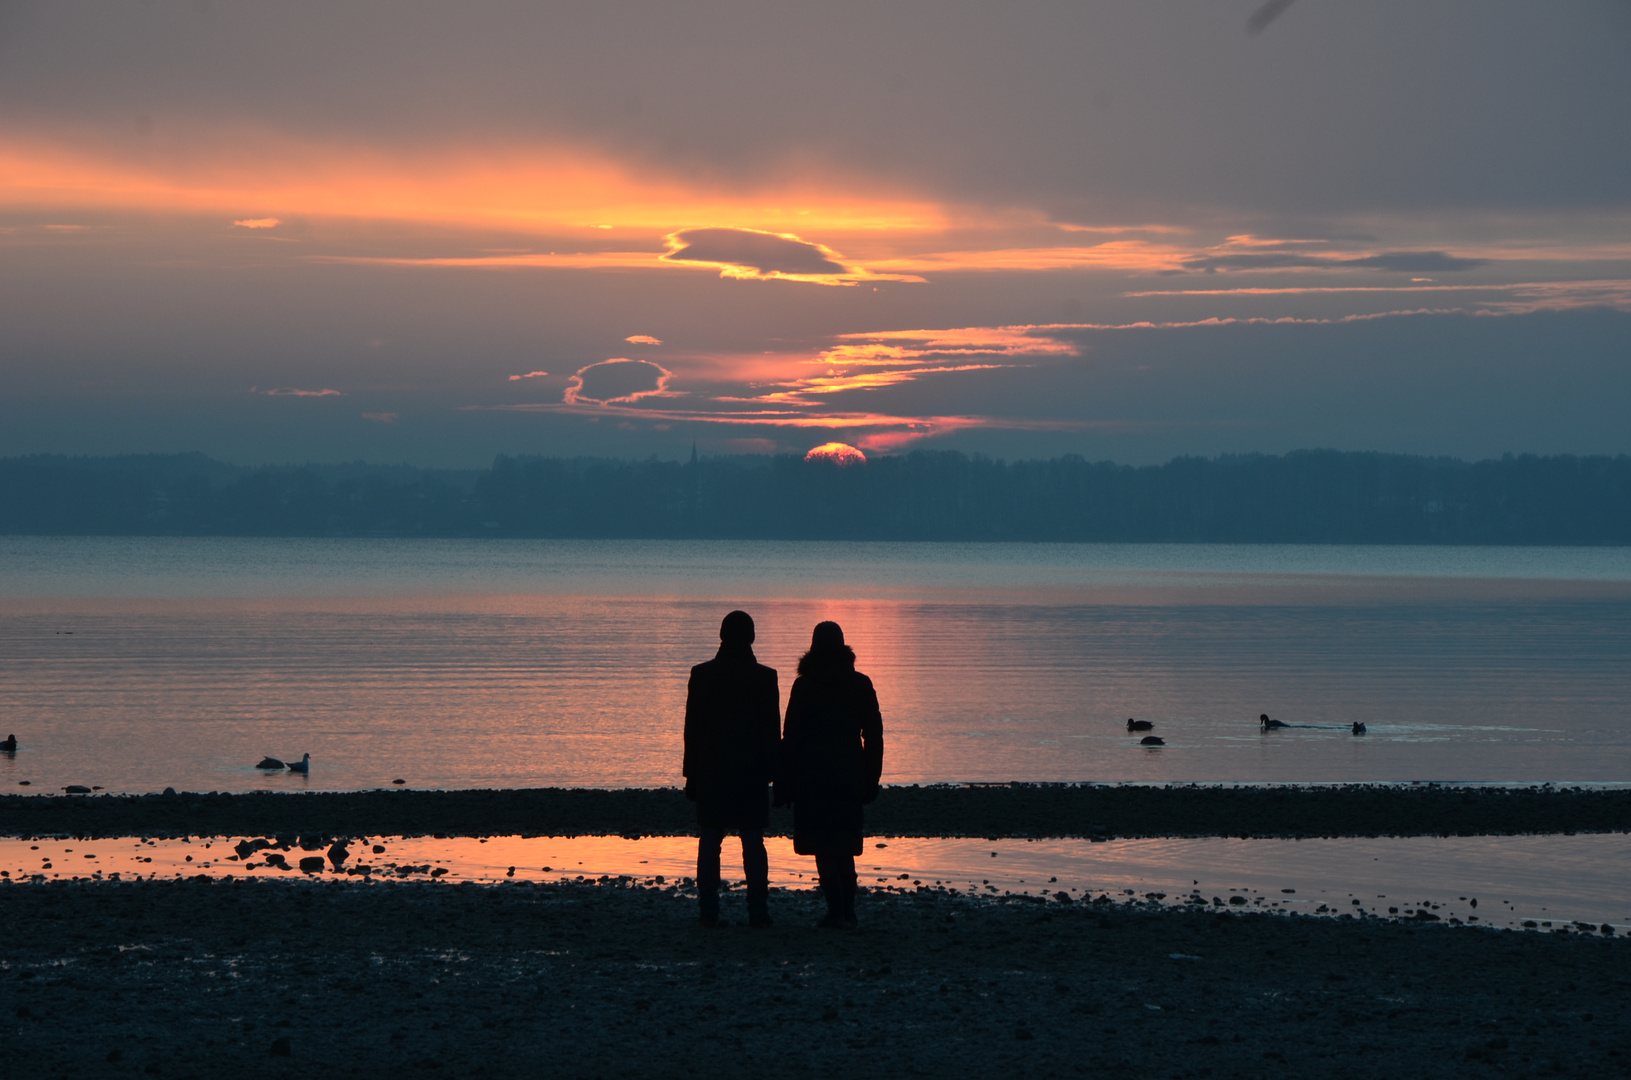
[557,188]
[763,255]
[866,380]
[1133,258]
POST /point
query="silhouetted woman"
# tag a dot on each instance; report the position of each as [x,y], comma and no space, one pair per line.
[832,756]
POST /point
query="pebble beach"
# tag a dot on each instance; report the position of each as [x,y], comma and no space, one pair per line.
[195,976]
[277,978]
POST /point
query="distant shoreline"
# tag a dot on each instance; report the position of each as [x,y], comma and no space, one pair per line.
[1011,811]
[1301,497]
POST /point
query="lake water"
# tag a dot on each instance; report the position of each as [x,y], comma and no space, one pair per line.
[132,664]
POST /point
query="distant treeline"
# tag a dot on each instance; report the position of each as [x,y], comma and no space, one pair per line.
[1312,496]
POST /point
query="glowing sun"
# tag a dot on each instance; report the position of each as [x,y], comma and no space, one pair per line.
[838,453]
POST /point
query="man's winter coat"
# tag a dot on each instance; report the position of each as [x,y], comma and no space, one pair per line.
[731,712]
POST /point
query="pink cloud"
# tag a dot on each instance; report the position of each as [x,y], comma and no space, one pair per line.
[642,339]
[294,391]
[529,375]
[617,380]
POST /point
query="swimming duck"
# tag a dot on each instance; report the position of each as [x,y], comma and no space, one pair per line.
[301,766]
[1139,725]
[1152,740]
[9,746]
[1358,728]
[1270,725]
[270,763]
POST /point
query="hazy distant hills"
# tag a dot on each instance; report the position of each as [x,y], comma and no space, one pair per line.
[1313,496]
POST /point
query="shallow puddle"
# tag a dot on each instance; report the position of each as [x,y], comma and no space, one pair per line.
[1540,882]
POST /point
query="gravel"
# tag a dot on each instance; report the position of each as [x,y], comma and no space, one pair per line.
[203,977]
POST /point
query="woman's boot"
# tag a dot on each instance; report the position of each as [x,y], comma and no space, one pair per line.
[834,919]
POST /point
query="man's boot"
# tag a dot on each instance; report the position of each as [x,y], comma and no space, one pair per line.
[708,881]
[707,907]
[759,906]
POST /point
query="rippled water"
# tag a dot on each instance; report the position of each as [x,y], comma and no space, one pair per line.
[132,664]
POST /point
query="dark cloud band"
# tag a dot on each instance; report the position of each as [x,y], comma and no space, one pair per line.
[1407,262]
[766,254]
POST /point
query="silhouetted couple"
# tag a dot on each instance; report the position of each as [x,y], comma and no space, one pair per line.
[826,763]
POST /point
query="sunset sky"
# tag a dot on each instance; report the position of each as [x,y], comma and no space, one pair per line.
[432,233]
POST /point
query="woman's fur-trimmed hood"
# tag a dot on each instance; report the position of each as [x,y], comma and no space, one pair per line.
[841,658]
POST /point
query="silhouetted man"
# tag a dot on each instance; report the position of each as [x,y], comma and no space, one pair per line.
[732,717]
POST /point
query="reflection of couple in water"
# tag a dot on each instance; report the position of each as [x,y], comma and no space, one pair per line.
[825,761]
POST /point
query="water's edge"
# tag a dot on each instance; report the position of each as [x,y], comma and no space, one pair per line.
[1015,810]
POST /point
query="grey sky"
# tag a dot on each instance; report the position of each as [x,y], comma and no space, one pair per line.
[433,198]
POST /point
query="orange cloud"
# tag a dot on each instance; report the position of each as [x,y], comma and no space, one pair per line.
[867,380]
[746,254]
[762,255]
[1137,256]
[258,223]
[554,188]
[642,339]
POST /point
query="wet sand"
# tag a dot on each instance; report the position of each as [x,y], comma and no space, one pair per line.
[274,978]
[1011,810]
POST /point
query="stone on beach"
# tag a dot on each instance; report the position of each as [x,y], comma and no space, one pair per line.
[246,848]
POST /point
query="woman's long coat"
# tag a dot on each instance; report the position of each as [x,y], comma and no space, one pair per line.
[832,753]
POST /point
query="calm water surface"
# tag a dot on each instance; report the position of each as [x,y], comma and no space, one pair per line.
[133,664]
